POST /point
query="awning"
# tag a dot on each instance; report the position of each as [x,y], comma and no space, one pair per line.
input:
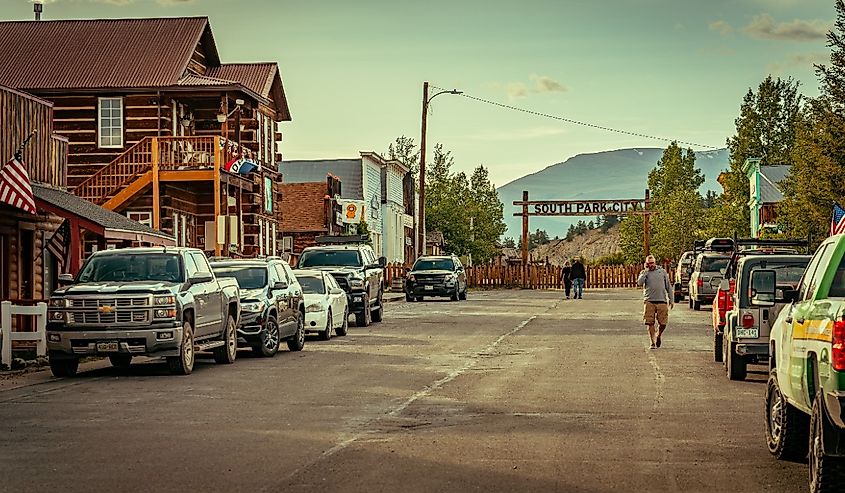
[96,219]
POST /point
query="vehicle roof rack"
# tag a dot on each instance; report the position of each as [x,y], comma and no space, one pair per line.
[342,240]
[772,242]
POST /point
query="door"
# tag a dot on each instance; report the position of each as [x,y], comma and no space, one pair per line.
[212,300]
[287,322]
[338,301]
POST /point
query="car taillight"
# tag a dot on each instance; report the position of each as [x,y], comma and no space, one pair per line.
[838,353]
[748,320]
[732,283]
[699,283]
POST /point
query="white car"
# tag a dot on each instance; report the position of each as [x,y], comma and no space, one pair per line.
[326,306]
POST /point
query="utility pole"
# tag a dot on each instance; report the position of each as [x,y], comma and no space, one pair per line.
[646,233]
[421,219]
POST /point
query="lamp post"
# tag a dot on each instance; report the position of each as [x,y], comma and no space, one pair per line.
[421,226]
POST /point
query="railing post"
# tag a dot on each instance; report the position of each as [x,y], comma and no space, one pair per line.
[218,160]
[156,192]
[6,332]
[41,327]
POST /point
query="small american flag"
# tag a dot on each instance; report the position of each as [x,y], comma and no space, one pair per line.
[837,222]
[15,188]
[59,244]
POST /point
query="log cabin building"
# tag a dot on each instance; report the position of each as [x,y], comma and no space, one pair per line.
[152,117]
[28,272]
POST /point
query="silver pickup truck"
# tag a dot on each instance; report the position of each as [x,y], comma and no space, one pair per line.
[143,301]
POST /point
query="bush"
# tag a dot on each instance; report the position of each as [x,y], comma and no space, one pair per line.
[613,259]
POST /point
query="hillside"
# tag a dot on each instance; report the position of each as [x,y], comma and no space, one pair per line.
[620,174]
[589,246]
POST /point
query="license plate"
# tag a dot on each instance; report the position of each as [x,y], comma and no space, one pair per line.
[747,333]
[108,347]
[429,288]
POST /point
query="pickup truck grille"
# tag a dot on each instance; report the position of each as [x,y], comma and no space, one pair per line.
[430,279]
[112,310]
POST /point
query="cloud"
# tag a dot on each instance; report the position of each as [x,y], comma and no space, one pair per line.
[801,60]
[539,84]
[721,27]
[763,26]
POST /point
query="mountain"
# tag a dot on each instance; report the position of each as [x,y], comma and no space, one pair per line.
[589,246]
[620,174]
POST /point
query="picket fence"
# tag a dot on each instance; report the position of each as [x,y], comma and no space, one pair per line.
[539,276]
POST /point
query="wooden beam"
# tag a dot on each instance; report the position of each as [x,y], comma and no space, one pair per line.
[218,158]
[156,187]
[129,192]
[186,175]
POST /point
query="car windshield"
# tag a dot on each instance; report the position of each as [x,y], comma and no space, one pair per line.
[311,284]
[133,267]
[714,264]
[248,277]
[787,273]
[330,258]
[434,264]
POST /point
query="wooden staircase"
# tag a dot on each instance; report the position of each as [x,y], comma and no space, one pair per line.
[126,170]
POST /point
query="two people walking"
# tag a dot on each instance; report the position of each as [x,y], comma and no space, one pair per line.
[657,299]
[574,276]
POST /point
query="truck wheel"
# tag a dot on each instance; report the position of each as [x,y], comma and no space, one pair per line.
[344,327]
[297,342]
[184,363]
[787,428]
[227,353]
[717,347]
[419,298]
[121,361]
[409,298]
[64,367]
[456,295]
[363,319]
[690,301]
[269,345]
[378,315]
[696,305]
[327,334]
[827,474]
[463,294]
[737,366]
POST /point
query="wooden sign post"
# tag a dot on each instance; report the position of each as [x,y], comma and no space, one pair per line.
[625,207]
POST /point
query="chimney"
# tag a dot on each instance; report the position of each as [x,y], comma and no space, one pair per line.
[38,7]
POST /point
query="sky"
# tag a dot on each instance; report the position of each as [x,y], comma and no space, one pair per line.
[353,70]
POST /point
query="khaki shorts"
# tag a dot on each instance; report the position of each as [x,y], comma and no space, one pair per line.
[655,310]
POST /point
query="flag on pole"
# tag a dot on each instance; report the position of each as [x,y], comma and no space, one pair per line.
[59,243]
[837,222]
[15,188]
[240,166]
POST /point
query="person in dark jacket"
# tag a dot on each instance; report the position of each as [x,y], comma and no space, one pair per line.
[567,280]
[579,277]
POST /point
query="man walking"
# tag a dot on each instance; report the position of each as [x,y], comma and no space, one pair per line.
[656,295]
[578,274]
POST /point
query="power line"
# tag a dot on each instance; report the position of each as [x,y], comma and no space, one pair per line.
[576,122]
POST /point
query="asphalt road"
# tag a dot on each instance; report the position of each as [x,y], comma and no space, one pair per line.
[509,391]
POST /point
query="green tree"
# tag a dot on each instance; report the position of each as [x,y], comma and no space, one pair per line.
[508,242]
[487,216]
[631,239]
[406,152]
[765,129]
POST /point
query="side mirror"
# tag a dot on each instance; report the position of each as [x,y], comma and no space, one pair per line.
[382,261]
[336,291]
[763,287]
[279,285]
[201,278]
[790,295]
[65,279]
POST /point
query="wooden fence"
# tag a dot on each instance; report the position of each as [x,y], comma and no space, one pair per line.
[539,276]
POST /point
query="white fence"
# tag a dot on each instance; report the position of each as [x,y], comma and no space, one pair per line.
[39,311]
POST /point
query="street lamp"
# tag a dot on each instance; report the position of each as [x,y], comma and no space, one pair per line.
[421,226]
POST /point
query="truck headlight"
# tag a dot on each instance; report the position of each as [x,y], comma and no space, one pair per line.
[314,307]
[163,313]
[55,316]
[254,307]
[59,303]
[411,278]
[165,300]
[355,282]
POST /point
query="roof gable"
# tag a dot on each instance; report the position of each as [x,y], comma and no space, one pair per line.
[262,78]
[101,53]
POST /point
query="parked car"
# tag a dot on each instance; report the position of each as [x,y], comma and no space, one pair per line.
[746,331]
[272,306]
[143,301]
[707,270]
[805,395]
[682,273]
[436,275]
[326,305]
[353,263]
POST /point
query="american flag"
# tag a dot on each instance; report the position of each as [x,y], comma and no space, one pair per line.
[837,222]
[59,244]
[15,188]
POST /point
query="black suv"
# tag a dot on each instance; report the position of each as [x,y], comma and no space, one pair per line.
[436,275]
[353,264]
[272,306]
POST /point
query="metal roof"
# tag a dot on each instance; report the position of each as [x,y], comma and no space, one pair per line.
[350,172]
[110,221]
[100,53]
[258,77]
[770,178]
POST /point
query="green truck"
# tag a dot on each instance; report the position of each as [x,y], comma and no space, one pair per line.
[805,395]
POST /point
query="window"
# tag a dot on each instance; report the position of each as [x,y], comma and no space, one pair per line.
[145,218]
[268,195]
[280,271]
[807,284]
[110,122]
[190,265]
[202,263]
